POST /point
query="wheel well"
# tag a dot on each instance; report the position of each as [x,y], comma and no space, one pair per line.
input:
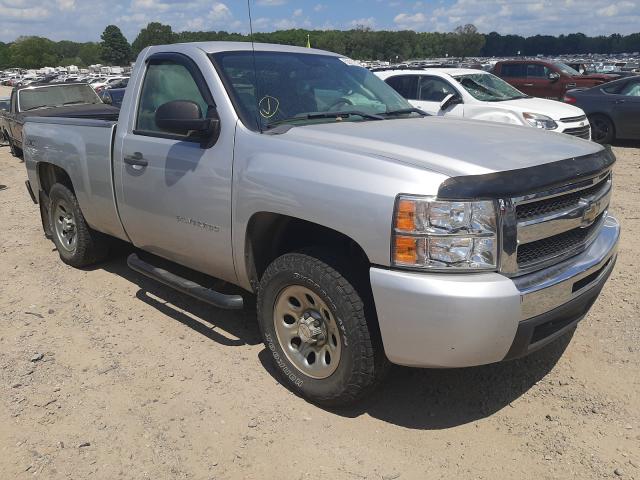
[50,174]
[271,235]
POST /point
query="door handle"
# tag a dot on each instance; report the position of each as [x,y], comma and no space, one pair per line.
[619,101]
[136,160]
[527,84]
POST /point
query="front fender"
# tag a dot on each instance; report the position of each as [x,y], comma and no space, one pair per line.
[350,193]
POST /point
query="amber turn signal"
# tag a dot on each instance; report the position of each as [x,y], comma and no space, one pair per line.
[405,250]
[406,215]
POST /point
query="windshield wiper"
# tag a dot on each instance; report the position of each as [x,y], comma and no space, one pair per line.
[315,115]
[74,102]
[403,111]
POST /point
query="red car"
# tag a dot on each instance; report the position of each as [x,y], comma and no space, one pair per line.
[546,79]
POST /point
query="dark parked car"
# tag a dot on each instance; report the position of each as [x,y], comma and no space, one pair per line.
[75,100]
[4,106]
[613,109]
[119,84]
[542,78]
[113,96]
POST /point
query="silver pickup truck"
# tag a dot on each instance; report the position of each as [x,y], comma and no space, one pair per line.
[370,232]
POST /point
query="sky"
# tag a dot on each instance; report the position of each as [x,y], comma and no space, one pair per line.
[84,20]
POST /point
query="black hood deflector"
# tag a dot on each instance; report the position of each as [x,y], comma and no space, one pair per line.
[514,183]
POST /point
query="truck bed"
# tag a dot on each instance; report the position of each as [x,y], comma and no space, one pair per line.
[83,148]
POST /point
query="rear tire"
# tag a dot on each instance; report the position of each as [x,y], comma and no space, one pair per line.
[344,359]
[602,129]
[78,245]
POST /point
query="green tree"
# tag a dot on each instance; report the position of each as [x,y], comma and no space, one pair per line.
[32,52]
[466,41]
[5,59]
[115,48]
[153,34]
[90,53]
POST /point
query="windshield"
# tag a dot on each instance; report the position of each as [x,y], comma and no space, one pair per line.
[291,86]
[566,69]
[56,96]
[488,88]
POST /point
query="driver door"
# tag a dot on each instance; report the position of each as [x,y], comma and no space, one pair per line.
[431,92]
[626,110]
[174,194]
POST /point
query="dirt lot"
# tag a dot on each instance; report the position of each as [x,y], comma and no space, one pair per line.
[136,382]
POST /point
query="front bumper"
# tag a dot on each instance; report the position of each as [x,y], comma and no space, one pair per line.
[461,320]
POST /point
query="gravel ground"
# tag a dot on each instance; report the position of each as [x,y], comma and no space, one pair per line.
[106,375]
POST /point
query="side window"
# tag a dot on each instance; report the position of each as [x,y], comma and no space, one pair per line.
[631,89]
[405,85]
[433,89]
[512,70]
[535,70]
[614,87]
[164,82]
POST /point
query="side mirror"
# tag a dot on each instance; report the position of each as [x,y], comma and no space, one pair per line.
[107,99]
[449,101]
[554,77]
[181,117]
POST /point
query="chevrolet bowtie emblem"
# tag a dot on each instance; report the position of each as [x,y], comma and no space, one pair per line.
[590,213]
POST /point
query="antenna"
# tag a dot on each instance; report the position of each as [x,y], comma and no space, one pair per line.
[255,68]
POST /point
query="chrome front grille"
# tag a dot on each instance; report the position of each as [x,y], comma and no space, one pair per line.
[579,118]
[582,132]
[551,205]
[550,247]
[544,228]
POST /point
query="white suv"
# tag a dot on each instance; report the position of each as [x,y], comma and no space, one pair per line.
[480,95]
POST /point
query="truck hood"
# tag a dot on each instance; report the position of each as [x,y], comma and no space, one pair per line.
[450,146]
[551,108]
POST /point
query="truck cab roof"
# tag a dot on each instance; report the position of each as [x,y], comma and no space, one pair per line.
[217,47]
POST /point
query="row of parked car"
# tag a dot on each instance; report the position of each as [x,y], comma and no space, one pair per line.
[95,80]
[525,92]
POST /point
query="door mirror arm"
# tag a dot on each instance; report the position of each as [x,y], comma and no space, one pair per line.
[450,100]
[212,133]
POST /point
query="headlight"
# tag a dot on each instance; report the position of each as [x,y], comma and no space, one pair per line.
[540,121]
[434,234]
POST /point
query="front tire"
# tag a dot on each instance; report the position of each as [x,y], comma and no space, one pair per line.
[313,323]
[78,245]
[602,129]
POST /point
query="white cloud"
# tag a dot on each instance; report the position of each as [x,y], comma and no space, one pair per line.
[66,4]
[368,22]
[319,7]
[297,12]
[220,12]
[410,21]
[24,14]
[270,3]
[531,17]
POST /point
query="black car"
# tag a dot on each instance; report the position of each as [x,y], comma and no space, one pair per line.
[113,96]
[613,109]
[73,100]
